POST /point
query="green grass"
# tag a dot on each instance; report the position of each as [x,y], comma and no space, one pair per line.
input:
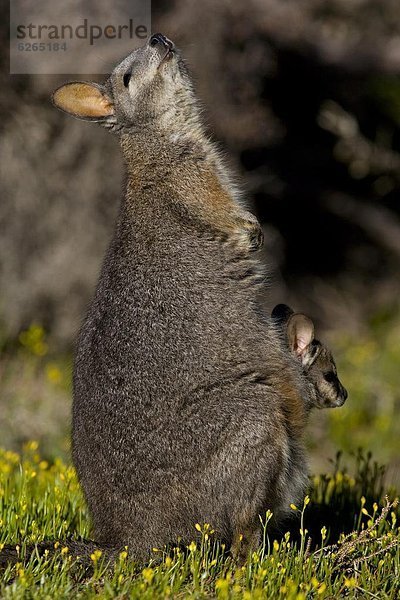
[317,557]
[35,393]
[369,367]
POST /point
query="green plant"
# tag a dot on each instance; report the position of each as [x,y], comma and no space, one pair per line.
[40,500]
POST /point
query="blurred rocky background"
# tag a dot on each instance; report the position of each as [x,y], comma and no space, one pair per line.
[304,96]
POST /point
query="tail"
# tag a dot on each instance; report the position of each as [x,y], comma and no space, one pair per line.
[81,551]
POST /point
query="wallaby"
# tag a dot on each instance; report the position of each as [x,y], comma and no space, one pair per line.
[187,407]
[325,388]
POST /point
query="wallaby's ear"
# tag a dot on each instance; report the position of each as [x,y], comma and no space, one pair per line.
[300,333]
[281,314]
[87,101]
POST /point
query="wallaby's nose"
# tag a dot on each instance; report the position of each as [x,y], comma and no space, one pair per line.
[159,38]
[342,396]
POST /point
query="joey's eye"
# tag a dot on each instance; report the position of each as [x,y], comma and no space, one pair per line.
[127,78]
[330,377]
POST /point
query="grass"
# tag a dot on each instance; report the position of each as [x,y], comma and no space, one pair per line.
[35,393]
[369,366]
[343,542]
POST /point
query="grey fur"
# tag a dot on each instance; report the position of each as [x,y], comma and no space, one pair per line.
[181,385]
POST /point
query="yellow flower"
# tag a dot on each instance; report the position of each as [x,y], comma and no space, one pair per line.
[31,446]
[96,555]
[34,340]
[222,587]
[11,456]
[53,373]
[303,532]
[293,507]
[148,574]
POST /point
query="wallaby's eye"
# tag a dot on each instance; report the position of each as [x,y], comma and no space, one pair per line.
[330,377]
[127,78]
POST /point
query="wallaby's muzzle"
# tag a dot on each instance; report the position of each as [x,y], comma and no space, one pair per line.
[163,43]
[334,397]
[342,396]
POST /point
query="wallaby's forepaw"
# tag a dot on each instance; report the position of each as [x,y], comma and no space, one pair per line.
[253,231]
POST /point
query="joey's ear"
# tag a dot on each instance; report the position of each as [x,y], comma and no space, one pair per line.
[281,314]
[300,333]
[87,101]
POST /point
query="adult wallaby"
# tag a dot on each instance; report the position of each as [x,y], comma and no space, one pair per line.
[187,407]
[325,388]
